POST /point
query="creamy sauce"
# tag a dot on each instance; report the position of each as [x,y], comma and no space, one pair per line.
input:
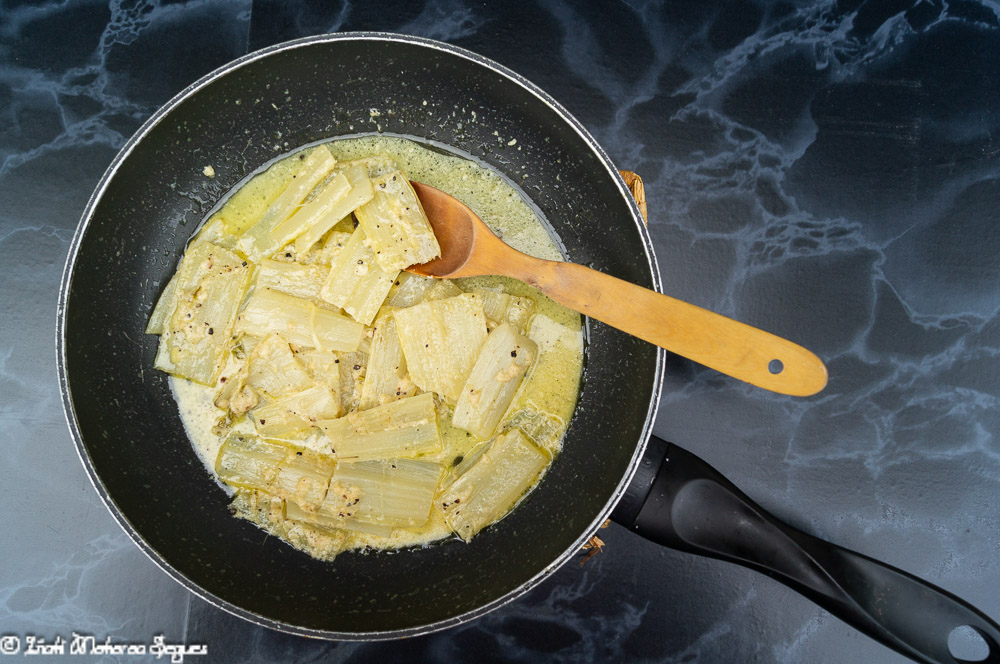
[551,385]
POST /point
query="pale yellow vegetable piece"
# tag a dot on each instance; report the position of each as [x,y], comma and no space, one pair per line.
[408,290]
[165,307]
[396,225]
[238,400]
[467,461]
[361,192]
[334,243]
[493,381]
[390,492]
[501,307]
[250,201]
[256,241]
[357,283]
[323,366]
[299,321]
[234,395]
[294,414]
[353,367]
[273,370]
[249,462]
[440,341]
[210,286]
[440,290]
[543,428]
[404,428]
[246,343]
[327,518]
[544,404]
[386,378]
[214,231]
[323,209]
[337,371]
[162,359]
[186,274]
[494,485]
[293,278]
[304,477]
[322,252]
[230,384]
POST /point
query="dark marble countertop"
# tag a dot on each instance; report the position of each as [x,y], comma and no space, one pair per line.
[828,170]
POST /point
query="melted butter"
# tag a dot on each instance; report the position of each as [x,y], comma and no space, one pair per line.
[553,382]
[248,203]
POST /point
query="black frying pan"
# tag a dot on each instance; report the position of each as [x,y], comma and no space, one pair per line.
[132,443]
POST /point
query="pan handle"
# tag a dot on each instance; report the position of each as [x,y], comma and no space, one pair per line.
[690,506]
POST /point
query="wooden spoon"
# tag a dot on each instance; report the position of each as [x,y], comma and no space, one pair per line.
[469,248]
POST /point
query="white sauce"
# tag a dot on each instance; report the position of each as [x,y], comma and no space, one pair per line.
[503,208]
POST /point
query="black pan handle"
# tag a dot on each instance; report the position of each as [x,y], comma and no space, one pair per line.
[686,504]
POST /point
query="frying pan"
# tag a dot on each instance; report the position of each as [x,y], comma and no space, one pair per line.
[131,441]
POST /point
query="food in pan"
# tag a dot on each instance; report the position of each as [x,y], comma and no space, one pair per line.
[344,402]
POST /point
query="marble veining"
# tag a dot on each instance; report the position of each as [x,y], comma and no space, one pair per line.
[826,170]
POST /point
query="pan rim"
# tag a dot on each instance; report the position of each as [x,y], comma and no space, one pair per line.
[69,411]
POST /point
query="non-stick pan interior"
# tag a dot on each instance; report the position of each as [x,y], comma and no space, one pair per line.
[132,438]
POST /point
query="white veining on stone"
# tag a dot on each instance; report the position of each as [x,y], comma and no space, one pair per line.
[763,137]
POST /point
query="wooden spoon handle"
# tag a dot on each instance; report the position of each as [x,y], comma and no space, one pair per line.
[734,348]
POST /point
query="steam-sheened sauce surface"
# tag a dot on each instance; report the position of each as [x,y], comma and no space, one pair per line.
[553,382]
